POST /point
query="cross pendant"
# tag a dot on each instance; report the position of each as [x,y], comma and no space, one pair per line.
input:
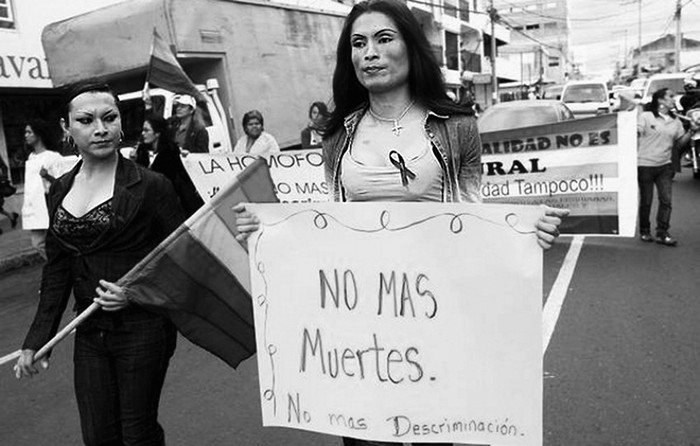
[397,128]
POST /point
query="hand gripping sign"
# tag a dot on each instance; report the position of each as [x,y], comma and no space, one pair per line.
[400,322]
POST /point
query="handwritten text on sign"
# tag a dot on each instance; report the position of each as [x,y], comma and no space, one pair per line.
[367,329]
[297,174]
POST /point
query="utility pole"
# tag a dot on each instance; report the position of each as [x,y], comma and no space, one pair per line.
[494,79]
[679,36]
[639,25]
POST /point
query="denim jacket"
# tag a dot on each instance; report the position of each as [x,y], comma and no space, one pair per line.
[146,210]
[456,145]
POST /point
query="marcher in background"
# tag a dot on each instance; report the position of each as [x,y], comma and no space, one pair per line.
[311,136]
[256,140]
[41,170]
[157,145]
[659,131]
[393,125]
[691,95]
[106,214]
[185,126]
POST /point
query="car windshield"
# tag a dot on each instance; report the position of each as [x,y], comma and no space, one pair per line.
[515,117]
[674,85]
[585,93]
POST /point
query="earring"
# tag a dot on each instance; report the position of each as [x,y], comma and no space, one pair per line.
[121,135]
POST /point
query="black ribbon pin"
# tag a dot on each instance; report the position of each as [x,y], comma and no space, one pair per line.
[398,162]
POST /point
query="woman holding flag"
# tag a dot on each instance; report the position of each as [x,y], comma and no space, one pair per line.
[105,215]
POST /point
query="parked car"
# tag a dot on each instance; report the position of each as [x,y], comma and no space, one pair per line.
[527,113]
[586,98]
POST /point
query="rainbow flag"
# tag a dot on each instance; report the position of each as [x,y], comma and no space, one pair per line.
[166,72]
[199,276]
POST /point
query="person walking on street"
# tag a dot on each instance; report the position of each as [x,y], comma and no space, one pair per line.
[41,170]
[166,160]
[106,214]
[394,135]
[659,133]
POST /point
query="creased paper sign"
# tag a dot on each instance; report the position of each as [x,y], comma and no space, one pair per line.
[297,174]
[586,165]
[403,322]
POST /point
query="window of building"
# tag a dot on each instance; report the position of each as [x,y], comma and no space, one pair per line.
[7,18]
[464,10]
[551,26]
[532,27]
[553,61]
[451,51]
[550,5]
[450,8]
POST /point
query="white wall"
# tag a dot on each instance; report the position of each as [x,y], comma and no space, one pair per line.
[22,60]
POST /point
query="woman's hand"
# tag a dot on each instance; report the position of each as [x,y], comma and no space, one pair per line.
[246,222]
[43,172]
[548,226]
[111,296]
[25,364]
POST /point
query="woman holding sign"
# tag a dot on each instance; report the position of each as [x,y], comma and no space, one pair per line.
[394,134]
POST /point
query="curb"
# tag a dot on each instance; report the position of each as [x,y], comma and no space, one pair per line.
[25,258]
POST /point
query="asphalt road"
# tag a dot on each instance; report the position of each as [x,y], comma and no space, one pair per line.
[620,369]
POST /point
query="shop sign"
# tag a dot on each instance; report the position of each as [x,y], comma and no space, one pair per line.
[24,70]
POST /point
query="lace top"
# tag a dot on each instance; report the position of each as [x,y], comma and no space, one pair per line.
[82,231]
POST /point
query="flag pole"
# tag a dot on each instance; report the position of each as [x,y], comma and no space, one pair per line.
[158,251]
[43,351]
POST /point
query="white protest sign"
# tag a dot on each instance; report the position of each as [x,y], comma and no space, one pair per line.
[588,166]
[403,322]
[297,174]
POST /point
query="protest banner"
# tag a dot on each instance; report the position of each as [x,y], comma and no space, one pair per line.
[586,165]
[297,174]
[400,322]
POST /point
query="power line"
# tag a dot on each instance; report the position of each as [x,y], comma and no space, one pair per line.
[563,19]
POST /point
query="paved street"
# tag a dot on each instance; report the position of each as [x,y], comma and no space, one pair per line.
[620,369]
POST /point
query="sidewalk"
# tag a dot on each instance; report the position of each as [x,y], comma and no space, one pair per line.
[15,245]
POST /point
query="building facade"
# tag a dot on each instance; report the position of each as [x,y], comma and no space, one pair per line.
[26,90]
[460,34]
[539,43]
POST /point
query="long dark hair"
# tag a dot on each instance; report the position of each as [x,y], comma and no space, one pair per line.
[654,104]
[43,131]
[426,84]
[166,145]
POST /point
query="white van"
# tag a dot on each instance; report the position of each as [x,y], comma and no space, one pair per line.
[672,81]
[586,98]
[133,113]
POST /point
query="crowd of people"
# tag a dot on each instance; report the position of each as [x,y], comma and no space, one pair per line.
[393,134]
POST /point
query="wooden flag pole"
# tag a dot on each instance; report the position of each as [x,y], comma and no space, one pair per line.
[43,351]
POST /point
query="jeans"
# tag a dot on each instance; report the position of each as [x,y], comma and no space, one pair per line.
[662,177]
[118,379]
